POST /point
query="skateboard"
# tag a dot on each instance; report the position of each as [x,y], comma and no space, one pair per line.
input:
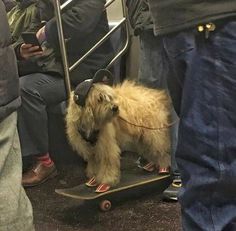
[133,181]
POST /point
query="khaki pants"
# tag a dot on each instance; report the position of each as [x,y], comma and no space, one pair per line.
[15,207]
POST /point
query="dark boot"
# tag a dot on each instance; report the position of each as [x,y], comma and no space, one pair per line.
[171,193]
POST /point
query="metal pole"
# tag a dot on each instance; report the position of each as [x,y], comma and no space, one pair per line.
[121,52]
[108,3]
[101,41]
[62,46]
[65,4]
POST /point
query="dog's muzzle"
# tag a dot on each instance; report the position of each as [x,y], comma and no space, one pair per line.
[92,138]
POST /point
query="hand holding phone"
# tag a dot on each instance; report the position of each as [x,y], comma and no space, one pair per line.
[31,38]
[29,50]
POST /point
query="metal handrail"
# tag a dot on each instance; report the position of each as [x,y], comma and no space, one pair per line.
[127,41]
[62,46]
[65,4]
[67,69]
[109,3]
[100,42]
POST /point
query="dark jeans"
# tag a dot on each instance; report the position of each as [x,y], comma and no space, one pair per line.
[152,73]
[38,92]
[202,82]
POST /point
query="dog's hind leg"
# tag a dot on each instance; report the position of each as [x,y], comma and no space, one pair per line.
[157,149]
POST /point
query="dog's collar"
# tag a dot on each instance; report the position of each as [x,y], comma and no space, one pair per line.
[93,137]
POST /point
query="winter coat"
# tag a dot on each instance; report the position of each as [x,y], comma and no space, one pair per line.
[20,17]
[84,23]
[9,85]
[139,15]
[9,4]
[173,16]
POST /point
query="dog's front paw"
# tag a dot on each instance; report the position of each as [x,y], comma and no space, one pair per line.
[102,188]
[91,182]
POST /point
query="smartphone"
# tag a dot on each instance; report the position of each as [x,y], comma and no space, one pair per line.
[31,38]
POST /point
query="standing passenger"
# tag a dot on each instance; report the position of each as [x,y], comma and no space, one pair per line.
[199,43]
[15,207]
[151,74]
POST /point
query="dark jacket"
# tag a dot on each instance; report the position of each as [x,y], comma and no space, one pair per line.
[9,4]
[20,18]
[9,86]
[139,15]
[84,23]
[172,16]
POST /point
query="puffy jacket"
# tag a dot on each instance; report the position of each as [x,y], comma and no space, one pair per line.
[139,15]
[9,86]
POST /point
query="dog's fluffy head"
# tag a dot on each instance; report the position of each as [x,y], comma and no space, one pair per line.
[100,107]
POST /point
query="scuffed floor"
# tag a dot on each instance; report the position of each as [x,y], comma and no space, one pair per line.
[53,212]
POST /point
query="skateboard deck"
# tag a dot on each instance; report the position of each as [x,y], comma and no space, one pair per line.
[133,179]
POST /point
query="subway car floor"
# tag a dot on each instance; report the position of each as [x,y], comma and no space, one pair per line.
[53,212]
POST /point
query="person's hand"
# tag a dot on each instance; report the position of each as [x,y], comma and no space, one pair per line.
[29,50]
[41,35]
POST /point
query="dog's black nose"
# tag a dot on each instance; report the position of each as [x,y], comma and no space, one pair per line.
[115,108]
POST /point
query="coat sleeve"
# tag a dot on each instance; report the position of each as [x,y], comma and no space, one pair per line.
[80,19]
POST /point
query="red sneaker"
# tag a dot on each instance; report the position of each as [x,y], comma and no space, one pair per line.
[102,188]
[92,182]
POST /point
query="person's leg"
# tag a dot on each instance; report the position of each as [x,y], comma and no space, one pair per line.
[38,91]
[151,65]
[206,146]
[15,207]
[153,72]
[171,193]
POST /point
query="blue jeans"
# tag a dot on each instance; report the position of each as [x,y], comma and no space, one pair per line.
[151,69]
[38,92]
[202,81]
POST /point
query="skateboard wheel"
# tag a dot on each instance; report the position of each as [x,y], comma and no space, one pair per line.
[105,205]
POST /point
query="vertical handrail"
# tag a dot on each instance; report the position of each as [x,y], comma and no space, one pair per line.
[57,7]
[125,15]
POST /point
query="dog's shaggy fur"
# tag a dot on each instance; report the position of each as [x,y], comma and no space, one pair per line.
[104,108]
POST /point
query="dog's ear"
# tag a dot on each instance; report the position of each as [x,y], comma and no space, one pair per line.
[81,92]
[103,76]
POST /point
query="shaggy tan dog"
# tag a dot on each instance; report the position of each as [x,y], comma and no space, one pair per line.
[113,119]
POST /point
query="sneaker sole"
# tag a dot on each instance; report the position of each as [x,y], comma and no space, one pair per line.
[170,198]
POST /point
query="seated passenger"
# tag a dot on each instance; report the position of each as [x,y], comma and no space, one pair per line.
[84,23]
[21,16]
[9,4]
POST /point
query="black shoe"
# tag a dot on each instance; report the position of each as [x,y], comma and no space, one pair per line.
[171,193]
